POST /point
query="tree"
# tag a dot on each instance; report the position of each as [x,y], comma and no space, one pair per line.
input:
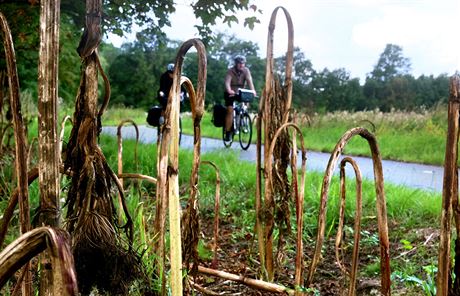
[153,15]
[391,63]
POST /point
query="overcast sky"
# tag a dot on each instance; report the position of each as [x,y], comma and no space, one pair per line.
[351,34]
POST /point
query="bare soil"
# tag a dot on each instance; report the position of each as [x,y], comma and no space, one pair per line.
[238,255]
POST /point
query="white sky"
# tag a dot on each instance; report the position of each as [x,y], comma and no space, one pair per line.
[350,34]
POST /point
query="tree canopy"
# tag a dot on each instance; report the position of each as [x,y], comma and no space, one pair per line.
[134,69]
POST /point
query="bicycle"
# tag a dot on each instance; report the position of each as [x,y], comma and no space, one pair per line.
[242,123]
[155,115]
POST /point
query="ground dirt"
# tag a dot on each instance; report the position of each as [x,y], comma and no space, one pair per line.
[239,256]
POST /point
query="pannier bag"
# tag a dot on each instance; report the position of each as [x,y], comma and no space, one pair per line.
[153,116]
[218,115]
[246,95]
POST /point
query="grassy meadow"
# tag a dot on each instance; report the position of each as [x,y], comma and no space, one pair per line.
[413,215]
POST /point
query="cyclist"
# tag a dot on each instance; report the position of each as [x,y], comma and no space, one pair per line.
[237,77]
[166,81]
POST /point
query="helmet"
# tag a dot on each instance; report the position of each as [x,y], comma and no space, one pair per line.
[171,67]
[239,59]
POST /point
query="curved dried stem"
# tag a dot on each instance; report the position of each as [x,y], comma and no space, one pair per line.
[34,242]
[265,115]
[120,146]
[215,263]
[357,226]
[269,70]
[298,191]
[20,138]
[168,182]
[380,203]
[120,156]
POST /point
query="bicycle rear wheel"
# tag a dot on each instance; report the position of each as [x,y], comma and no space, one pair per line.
[227,143]
[245,134]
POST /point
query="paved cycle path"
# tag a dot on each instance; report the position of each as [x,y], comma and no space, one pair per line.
[426,177]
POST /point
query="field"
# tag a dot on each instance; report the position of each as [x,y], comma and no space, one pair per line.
[413,214]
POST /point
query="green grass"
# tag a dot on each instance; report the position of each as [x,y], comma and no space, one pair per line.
[399,136]
[407,209]
[410,207]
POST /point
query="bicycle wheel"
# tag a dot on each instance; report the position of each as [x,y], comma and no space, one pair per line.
[245,128]
[227,143]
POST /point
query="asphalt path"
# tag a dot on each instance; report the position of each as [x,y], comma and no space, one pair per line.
[425,177]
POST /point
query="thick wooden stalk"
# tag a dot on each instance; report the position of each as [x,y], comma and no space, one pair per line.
[448,189]
[20,140]
[48,143]
[380,205]
[168,165]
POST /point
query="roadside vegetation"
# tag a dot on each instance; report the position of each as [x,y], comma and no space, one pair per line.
[404,136]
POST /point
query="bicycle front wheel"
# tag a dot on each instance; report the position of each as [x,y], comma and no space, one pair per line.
[245,128]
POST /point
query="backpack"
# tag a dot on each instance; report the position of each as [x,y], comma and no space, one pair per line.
[219,112]
[153,116]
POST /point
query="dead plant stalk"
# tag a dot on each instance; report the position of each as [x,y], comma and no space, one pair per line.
[450,195]
[265,222]
[20,140]
[380,204]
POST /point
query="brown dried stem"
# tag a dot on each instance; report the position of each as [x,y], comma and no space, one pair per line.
[48,144]
[34,242]
[168,182]
[120,146]
[449,191]
[20,139]
[137,176]
[216,213]
[120,156]
[257,284]
[265,230]
[381,206]
[357,226]
[298,191]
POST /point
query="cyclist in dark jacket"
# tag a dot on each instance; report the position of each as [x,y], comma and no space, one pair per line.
[166,81]
[237,77]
